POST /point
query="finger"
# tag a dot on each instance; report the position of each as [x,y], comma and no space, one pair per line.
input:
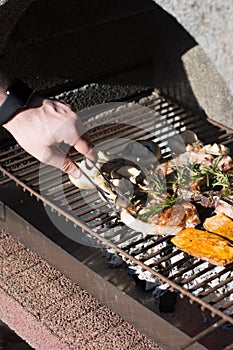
[59,160]
[70,168]
[86,147]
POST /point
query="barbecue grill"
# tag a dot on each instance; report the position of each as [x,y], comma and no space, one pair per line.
[132,53]
[173,297]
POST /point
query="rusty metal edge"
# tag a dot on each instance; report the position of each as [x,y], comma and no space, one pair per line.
[151,325]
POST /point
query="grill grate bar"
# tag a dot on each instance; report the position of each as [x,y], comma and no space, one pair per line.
[52,181]
[191,120]
[178,263]
[202,334]
[19,161]
[70,191]
[149,245]
[181,272]
[95,224]
[10,157]
[218,286]
[198,274]
[67,186]
[30,168]
[221,297]
[86,210]
[78,198]
[163,258]
[210,279]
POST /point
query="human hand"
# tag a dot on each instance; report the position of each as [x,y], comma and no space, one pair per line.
[46,124]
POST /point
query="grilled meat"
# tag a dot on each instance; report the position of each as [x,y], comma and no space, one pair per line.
[222,206]
[220,224]
[204,245]
[168,221]
[147,228]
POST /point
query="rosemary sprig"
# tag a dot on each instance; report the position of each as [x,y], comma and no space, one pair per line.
[158,184]
[157,208]
[167,190]
[213,176]
[182,176]
[224,180]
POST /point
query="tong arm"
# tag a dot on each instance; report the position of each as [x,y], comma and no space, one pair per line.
[113,188]
[99,189]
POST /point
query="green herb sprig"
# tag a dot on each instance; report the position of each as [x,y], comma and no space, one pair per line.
[154,209]
[213,176]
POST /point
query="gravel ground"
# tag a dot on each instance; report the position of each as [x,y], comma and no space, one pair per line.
[51,312]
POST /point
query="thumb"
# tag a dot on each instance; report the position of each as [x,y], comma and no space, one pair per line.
[70,168]
[63,162]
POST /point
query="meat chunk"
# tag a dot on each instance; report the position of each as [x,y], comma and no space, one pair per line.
[220,224]
[224,207]
[205,245]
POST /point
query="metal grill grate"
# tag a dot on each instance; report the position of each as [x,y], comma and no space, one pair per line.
[209,286]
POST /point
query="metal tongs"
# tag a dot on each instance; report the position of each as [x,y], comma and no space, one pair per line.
[104,193]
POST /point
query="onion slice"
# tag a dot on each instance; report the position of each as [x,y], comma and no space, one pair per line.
[147,228]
